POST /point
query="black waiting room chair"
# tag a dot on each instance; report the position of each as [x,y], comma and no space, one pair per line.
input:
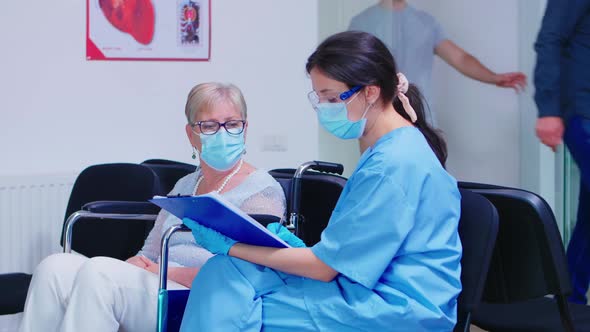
[528,280]
[478,229]
[96,234]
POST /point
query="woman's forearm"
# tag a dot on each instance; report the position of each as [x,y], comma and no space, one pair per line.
[297,261]
[183,275]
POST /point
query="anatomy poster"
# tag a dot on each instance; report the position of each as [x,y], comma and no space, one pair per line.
[148,30]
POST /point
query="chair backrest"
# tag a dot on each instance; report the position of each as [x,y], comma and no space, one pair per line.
[169,172]
[319,195]
[113,182]
[478,229]
[529,260]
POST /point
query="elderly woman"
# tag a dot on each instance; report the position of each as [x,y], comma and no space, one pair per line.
[74,293]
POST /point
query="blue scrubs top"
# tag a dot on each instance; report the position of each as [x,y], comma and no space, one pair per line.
[393,238]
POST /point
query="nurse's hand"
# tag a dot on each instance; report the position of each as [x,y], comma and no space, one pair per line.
[213,241]
[286,235]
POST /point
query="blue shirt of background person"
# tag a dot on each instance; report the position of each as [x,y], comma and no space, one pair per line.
[562,84]
[562,73]
[562,81]
[389,258]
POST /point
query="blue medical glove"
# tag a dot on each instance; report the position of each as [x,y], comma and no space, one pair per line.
[213,241]
[286,235]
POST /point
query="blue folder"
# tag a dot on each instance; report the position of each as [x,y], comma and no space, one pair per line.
[214,211]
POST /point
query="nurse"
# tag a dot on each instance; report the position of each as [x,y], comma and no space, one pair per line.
[389,259]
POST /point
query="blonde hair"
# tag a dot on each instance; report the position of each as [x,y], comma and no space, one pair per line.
[207,95]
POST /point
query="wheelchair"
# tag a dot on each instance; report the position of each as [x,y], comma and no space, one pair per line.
[311,192]
[102,196]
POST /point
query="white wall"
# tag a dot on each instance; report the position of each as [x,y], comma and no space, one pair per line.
[481,122]
[60,113]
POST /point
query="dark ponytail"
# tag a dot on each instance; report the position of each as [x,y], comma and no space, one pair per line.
[433,136]
[359,58]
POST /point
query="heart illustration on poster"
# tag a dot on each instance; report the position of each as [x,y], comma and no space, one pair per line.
[135,17]
[148,30]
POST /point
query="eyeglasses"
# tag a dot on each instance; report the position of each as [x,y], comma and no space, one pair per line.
[233,127]
[332,98]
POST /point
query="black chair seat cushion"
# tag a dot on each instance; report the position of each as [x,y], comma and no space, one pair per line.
[537,315]
[114,182]
[13,292]
[119,207]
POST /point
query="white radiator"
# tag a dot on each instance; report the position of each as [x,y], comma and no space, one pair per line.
[32,210]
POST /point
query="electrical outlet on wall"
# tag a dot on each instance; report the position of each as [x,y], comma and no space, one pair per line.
[274,143]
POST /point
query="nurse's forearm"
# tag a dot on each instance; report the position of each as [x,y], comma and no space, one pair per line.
[296,261]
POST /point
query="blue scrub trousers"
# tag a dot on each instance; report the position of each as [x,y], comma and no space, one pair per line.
[241,296]
[577,139]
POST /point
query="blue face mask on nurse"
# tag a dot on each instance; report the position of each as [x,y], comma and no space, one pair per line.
[333,113]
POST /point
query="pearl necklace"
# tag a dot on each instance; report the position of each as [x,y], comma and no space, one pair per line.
[227,178]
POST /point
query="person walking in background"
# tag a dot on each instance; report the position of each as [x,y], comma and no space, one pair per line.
[562,82]
[414,36]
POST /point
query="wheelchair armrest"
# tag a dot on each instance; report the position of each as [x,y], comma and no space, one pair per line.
[164,252]
[122,207]
[163,294]
[13,287]
[328,167]
[265,219]
[74,217]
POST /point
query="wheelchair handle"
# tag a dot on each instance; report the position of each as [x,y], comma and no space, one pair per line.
[320,166]
[295,220]
[165,241]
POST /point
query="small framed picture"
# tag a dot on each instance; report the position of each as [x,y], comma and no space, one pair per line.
[157,30]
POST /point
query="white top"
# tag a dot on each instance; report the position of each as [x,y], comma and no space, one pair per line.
[259,193]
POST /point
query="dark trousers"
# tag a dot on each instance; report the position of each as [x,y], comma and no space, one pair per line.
[577,139]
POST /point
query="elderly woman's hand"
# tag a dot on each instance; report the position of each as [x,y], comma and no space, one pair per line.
[286,235]
[138,261]
[213,241]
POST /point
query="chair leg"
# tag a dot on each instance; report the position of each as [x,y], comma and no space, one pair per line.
[466,328]
[565,314]
[463,322]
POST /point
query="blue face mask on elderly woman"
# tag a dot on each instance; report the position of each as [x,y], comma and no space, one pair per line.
[334,116]
[222,150]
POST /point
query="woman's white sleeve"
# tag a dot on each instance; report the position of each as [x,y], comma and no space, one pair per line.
[269,201]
